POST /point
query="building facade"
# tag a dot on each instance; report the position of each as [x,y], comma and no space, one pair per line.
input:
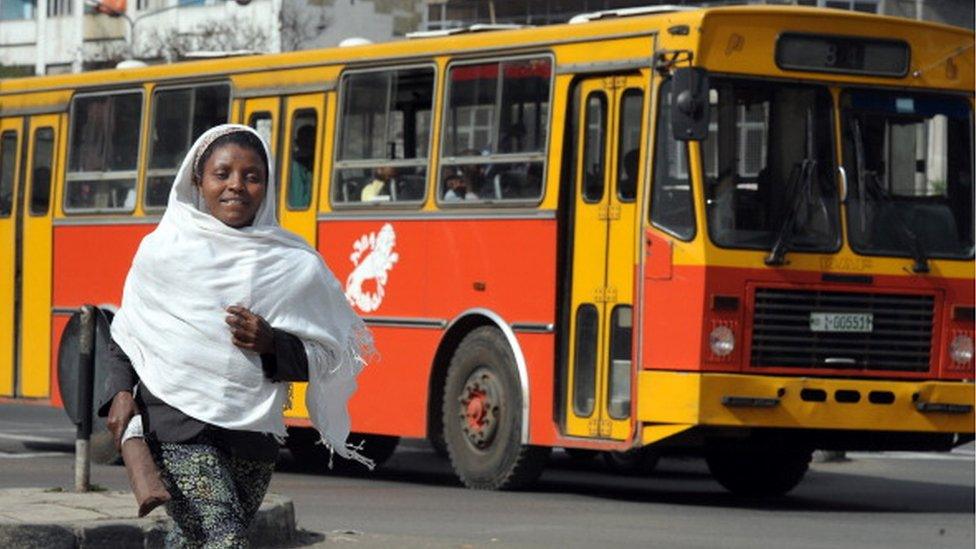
[54,36]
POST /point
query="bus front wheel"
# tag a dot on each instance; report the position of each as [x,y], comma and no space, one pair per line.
[758,473]
[482,416]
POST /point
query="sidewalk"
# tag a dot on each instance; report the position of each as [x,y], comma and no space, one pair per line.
[38,518]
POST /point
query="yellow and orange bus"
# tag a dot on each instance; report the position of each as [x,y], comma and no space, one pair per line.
[745,231]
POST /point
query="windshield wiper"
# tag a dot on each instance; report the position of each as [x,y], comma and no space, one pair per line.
[908,237]
[801,180]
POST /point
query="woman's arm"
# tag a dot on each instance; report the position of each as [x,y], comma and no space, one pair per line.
[117,402]
[121,377]
[288,362]
[283,356]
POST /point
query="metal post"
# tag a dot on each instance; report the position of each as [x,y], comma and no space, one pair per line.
[79,16]
[86,364]
[40,55]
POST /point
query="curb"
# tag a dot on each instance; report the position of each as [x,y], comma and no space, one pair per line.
[273,525]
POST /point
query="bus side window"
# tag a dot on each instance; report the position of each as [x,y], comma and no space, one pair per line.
[40,196]
[8,165]
[262,123]
[302,168]
[672,206]
[494,143]
[384,139]
[180,115]
[103,153]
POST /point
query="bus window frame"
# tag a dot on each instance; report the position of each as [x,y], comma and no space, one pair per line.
[629,91]
[69,176]
[857,248]
[155,172]
[601,148]
[514,158]
[33,164]
[316,160]
[13,183]
[338,164]
[838,243]
[657,106]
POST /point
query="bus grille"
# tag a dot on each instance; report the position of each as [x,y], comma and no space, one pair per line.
[901,338]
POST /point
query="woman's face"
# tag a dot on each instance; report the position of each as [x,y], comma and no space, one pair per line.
[233,184]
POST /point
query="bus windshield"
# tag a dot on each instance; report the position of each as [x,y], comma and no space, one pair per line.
[909,165]
[768,166]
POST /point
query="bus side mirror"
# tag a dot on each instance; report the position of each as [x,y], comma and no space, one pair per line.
[689,104]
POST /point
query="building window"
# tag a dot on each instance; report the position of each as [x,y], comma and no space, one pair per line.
[11,10]
[58,8]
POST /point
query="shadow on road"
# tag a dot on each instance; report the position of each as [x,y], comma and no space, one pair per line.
[685,481]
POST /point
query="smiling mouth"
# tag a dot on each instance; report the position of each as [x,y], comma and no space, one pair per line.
[233,201]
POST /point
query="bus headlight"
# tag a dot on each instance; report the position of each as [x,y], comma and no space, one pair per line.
[961,349]
[722,341]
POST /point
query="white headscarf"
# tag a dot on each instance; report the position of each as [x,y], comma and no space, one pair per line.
[191,268]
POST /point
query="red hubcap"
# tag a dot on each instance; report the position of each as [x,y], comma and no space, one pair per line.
[479,408]
[476,411]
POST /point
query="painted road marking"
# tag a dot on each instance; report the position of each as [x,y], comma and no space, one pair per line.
[11,455]
[955,455]
[32,438]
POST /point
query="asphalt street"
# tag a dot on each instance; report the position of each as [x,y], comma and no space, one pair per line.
[888,500]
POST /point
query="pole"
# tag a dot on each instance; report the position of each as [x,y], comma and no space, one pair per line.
[78,13]
[40,57]
[86,363]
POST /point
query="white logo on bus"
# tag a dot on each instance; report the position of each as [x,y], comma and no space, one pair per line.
[373,257]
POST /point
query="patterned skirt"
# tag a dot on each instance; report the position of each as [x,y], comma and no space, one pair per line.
[215,494]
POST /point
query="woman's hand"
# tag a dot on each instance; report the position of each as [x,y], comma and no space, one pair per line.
[250,331]
[122,411]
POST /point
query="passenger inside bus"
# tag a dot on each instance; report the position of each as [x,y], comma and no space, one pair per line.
[81,195]
[473,176]
[302,164]
[457,189]
[627,183]
[40,189]
[379,188]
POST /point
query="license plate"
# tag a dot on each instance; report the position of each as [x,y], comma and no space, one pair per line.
[841,322]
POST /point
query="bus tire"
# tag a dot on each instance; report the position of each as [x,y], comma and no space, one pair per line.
[482,414]
[758,473]
[636,462]
[304,447]
[437,442]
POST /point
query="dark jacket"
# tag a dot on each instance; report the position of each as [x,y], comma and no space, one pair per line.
[163,423]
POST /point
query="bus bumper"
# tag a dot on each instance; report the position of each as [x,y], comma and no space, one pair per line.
[670,401]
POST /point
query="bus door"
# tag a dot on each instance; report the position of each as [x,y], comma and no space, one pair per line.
[10,159]
[609,162]
[301,160]
[301,170]
[27,168]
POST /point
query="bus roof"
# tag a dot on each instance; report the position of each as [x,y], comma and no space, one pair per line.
[621,25]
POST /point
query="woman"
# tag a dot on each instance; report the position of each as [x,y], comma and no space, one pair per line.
[220,306]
